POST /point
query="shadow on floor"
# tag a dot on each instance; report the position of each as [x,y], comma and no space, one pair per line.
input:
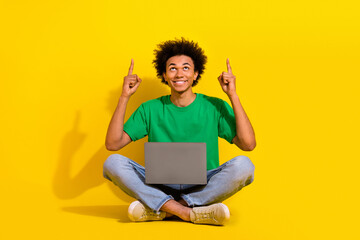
[111,211]
[118,212]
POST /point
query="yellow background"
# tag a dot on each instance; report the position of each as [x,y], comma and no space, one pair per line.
[61,69]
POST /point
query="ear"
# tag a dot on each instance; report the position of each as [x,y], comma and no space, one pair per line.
[164,76]
[196,74]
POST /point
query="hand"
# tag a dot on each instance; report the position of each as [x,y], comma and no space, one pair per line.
[227,80]
[131,82]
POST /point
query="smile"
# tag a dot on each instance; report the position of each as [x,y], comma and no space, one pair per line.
[179,82]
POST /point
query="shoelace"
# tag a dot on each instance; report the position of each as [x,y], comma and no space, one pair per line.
[203,214]
[149,213]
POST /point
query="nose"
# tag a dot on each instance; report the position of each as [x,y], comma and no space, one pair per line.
[179,74]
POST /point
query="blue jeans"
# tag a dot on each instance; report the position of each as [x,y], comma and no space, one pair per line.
[223,182]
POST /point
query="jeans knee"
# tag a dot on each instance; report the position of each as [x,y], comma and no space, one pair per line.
[244,163]
[111,162]
[245,169]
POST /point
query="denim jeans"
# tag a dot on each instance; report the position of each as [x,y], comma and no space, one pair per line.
[223,182]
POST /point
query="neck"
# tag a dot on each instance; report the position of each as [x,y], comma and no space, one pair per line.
[182,99]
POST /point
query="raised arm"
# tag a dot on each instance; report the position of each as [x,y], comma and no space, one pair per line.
[245,136]
[116,138]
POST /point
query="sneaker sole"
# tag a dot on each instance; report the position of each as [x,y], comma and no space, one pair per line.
[131,208]
[227,213]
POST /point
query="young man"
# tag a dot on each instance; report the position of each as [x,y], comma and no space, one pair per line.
[183,116]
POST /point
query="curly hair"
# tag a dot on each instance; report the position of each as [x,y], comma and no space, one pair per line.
[177,47]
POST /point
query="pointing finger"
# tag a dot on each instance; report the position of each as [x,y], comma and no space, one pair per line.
[228,66]
[131,67]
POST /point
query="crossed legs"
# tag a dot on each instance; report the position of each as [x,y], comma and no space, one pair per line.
[223,182]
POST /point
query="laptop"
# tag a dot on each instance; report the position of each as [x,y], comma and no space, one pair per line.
[175,163]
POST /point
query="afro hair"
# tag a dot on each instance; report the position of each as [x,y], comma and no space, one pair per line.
[178,47]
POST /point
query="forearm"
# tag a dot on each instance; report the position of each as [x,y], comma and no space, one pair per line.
[116,126]
[244,129]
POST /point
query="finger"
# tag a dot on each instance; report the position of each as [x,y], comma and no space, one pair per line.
[133,80]
[224,77]
[131,67]
[137,84]
[130,78]
[219,78]
[228,66]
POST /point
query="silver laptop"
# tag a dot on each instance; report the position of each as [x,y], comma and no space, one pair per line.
[175,163]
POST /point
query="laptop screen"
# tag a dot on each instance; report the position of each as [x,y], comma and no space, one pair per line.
[175,163]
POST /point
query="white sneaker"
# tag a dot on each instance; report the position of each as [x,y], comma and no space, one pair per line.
[215,214]
[137,212]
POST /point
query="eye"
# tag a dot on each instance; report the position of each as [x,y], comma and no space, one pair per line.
[186,68]
[172,69]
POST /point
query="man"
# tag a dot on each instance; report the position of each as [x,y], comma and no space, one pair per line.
[183,116]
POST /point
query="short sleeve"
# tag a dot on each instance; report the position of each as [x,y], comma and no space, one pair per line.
[227,124]
[136,125]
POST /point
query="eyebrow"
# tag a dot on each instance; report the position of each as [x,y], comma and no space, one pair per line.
[175,64]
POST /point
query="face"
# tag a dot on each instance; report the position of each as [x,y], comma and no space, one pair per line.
[180,73]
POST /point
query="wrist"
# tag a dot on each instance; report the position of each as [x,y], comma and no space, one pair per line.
[124,97]
[232,95]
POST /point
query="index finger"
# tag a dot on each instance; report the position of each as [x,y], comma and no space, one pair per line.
[131,67]
[228,66]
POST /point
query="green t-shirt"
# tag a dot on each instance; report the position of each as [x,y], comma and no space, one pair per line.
[203,120]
